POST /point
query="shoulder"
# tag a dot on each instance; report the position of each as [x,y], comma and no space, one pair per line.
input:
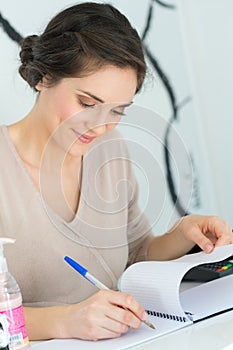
[3,135]
[2,130]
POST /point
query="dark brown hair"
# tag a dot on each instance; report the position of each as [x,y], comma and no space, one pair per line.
[80,40]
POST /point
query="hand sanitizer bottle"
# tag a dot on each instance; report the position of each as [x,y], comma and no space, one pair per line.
[4,334]
[11,304]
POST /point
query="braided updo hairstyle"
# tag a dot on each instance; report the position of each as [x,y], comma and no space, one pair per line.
[80,40]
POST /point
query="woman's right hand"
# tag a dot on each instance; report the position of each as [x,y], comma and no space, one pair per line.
[101,316]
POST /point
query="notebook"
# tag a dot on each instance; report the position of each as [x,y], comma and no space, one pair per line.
[156,285]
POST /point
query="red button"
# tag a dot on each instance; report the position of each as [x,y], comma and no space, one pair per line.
[218,270]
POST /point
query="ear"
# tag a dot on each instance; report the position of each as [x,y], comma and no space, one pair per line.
[39,86]
[43,84]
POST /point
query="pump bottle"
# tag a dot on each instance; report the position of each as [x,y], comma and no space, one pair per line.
[11,304]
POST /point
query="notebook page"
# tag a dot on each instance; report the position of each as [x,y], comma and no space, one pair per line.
[209,298]
[144,333]
[126,341]
[156,284]
[217,254]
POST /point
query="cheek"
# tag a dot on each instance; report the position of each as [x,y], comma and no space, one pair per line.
[111,126]
[66,109]
[65,106]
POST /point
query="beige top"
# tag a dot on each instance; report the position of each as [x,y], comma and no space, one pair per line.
[107,233]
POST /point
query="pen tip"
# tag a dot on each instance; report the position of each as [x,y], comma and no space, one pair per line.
[149,324]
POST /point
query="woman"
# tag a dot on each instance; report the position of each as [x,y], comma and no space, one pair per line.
[60,200]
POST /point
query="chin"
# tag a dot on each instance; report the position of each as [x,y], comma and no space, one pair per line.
[77,151]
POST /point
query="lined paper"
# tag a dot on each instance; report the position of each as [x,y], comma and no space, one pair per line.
[156,285]
[208,298]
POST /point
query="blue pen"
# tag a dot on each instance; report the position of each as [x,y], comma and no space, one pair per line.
[84,272]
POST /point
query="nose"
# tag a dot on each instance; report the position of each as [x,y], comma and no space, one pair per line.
[100,129]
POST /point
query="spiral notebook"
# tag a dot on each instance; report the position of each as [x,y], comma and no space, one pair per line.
[156,285]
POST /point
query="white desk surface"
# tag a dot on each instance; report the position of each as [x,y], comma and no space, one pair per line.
[215,333]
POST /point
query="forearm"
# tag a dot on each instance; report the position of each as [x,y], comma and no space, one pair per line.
[45,322]
[169,246]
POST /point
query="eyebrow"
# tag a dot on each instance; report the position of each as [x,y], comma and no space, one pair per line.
[100,99]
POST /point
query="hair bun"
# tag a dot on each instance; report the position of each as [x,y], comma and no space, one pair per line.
[30,69]
[27,44]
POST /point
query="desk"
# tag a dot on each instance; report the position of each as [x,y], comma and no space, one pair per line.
[215,333]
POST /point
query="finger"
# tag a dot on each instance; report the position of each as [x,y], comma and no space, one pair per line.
[124,318]
[127,301]
[212,237]
[114,325]
[100,326]
[221,230]
[224,240]
[200,239]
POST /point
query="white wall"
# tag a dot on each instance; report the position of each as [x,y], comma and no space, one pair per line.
[192,46]
[208,32]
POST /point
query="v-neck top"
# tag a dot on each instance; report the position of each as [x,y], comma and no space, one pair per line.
[107,233]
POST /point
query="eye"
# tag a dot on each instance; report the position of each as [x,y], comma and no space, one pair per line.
[86,105]
[85,102]
[119,111]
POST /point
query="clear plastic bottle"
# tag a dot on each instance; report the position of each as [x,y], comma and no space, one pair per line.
[4,334]
[11,304]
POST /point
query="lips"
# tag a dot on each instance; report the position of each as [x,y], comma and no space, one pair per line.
[83,137]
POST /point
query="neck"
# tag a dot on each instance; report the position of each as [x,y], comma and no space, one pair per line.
[36,147]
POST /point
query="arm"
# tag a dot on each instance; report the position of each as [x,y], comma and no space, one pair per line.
[45,322]
[206,231]
[98,317]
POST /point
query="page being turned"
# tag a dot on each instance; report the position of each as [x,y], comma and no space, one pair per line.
[156,284]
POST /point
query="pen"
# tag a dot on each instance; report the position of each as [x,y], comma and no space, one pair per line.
[84,272]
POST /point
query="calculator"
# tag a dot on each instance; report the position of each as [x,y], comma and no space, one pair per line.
[208,272]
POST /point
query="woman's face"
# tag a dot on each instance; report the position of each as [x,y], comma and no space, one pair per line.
[77,111]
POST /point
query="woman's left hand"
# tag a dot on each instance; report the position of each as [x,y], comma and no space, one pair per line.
[207,232]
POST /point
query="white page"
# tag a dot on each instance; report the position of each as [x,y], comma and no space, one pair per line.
[164,277]
[156,284]
[208,298]
[128,340]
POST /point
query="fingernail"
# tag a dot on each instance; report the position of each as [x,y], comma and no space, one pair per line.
[144,316]
[208,247]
